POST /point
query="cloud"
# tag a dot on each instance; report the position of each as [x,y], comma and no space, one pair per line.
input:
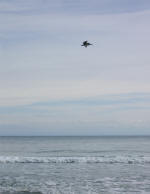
[75,7]
[109,114]
[30,92]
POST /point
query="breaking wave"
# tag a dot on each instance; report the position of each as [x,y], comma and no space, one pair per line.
[99,159]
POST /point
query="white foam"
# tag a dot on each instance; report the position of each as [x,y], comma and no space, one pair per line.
[106,159]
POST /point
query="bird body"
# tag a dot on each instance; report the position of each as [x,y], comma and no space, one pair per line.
[86,44]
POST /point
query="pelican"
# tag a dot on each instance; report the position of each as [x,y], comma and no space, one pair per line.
[86,44]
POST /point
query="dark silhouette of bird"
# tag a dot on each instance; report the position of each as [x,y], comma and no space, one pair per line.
[86,44]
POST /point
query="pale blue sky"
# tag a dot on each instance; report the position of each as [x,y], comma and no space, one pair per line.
[50,85]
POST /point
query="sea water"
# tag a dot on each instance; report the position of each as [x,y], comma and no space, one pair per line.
[74,165]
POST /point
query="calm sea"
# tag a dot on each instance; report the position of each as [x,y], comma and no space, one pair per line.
[74,165]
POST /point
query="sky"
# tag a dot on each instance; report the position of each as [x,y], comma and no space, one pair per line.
[50,85]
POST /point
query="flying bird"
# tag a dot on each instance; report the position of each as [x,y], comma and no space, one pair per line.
[86,44]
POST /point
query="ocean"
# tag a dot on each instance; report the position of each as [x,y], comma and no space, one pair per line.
[74,165]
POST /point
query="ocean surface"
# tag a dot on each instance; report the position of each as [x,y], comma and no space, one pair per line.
[74,165]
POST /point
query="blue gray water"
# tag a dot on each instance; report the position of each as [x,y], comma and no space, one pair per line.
[74,165]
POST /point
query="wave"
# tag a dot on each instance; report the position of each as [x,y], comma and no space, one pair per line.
[99,159]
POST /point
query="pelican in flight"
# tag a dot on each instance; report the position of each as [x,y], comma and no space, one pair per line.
[86,44]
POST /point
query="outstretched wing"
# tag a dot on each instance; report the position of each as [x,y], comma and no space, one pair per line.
[89,44]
